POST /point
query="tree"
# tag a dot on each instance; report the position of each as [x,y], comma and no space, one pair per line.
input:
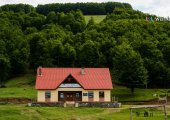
[18,8]
[89,54]
[19,60]
[51,17]
[39,52]
[69,56]
[58,53]
[4,69]
[86,8]
[90,22]
[130,66]
[166,51]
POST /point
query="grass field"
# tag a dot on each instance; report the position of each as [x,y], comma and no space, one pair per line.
[21,112]
[97,18]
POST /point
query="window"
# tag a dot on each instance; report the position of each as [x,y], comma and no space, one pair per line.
[61,95]
[77,95]
[90,94]
[47,94]
[101,94]
[84,94]
[69,85]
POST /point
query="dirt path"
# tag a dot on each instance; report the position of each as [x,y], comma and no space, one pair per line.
[15,100]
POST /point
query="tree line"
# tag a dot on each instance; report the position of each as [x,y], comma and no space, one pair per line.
[136,51]
[86,8]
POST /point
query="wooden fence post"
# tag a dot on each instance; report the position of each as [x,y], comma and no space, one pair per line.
[131,116]
[165,112]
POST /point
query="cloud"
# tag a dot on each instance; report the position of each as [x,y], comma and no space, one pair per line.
[157,7]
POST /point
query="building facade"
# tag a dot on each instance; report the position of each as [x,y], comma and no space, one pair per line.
[73,84]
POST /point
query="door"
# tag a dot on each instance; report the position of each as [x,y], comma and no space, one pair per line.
[69,97]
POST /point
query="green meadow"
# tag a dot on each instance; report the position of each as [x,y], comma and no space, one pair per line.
[97,18]
[22,112]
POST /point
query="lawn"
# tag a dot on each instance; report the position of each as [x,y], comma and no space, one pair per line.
[21,112]
[97,18]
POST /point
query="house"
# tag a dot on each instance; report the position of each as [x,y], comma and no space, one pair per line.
[73,84]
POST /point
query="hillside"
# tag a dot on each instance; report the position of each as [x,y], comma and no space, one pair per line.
[112,35]
[135,50]
[20,87]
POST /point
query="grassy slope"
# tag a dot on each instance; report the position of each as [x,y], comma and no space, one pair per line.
[19,87]
[97,18]
[21,112]
[124,94]
[23,87]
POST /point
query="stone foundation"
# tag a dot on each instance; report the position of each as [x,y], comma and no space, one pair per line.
[79,104]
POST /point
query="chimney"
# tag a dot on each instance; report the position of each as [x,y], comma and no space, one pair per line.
[40,71]
[82,71]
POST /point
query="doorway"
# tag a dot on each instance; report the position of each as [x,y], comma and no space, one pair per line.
[69,96]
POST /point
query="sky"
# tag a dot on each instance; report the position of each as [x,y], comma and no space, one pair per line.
[157,7]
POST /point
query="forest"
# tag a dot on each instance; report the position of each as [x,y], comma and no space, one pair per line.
[136,51]
[86,8]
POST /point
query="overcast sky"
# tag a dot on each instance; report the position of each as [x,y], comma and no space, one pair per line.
[158,7]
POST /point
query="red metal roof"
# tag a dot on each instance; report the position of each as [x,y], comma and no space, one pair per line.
[94,78]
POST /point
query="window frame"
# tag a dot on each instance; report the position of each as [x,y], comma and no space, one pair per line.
[101,94]
[90,94]
[47,94]
[62,94]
